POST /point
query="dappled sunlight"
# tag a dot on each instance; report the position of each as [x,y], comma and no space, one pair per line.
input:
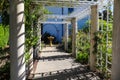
[60,65]
[64,50]
[78,73]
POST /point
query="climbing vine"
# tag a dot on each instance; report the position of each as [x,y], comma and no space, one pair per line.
[104,46]
[33,12]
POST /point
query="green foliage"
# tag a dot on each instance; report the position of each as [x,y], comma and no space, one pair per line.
[83,45]
[33,12]
[27,57]
[82,57]
[4,36]
[4,4]
[30,41]
[104,44]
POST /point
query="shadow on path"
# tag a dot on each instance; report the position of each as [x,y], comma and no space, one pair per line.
[54,64]
[78,73]
[57,57]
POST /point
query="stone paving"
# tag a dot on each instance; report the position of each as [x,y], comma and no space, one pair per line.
[55,64]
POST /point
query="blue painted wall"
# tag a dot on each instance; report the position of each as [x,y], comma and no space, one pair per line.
[82,22]
[57,29]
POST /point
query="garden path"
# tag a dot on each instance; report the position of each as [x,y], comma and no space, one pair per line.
[55,64]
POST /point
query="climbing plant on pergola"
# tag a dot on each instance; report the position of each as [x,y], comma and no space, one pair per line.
[17,37]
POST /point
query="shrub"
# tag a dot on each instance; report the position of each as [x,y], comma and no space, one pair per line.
[4,36]
[104,46]
[83,45]
[82,57]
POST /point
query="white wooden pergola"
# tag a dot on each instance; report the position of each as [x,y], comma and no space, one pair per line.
[17,33]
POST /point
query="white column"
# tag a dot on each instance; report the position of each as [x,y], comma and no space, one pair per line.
[30,64]
[39,35]
[66,37]
[116,42]
[17,40]
[94,25]
[74,35]
[30,61]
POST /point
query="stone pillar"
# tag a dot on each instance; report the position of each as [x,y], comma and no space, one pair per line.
[74,35]
[66,37]
[94,25]
[116,42]
[17,40]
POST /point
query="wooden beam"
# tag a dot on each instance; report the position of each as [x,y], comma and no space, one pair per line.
[116,42]
[66,37]
[54,22]
[74,35]
[17,40]
[94,25]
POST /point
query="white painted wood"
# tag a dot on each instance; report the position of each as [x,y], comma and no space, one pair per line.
[66,37]
[94,25]
[54,22]
[74,35]
[116,42]
[39,35]
[17,40]
[30,65]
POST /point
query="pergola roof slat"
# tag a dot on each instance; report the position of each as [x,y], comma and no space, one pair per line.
[53,22]
[83,7]
[63,3]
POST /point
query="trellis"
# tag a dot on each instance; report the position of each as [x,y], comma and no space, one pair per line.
[63,3]
[17,39]
[85,10]
[83,42]
[104,53]
[83,5]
